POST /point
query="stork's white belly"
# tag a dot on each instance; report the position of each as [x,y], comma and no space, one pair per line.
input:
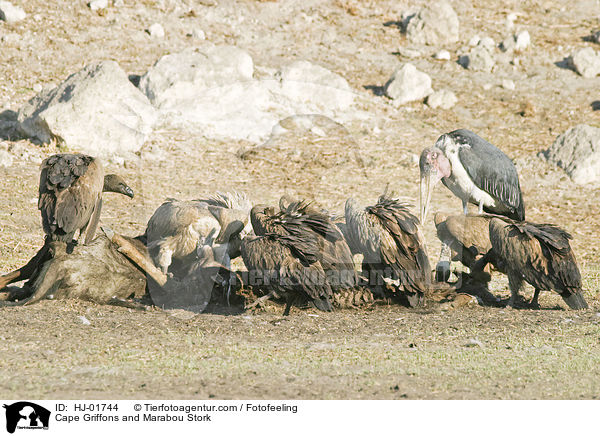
[463,187]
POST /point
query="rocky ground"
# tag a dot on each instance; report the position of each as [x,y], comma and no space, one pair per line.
[519,99]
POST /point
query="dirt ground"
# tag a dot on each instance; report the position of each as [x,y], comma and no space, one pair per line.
[384,352]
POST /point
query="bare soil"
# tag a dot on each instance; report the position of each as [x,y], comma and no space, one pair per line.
[382,352]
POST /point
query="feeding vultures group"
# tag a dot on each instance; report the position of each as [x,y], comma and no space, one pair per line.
[295,251]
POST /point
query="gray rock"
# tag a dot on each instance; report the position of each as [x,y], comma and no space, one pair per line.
[156,30]
[435,24]
[586,62]
[98,4]
[577,151]
[212,90]
[408,84]
[595,37]
[11,13]
[444,99]
[480,59]
[96,111]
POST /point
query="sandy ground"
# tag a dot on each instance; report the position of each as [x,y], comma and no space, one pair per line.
[47,352]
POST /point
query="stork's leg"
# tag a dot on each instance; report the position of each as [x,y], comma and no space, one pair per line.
[480,207]
[515,282]
[442,269]
[534,301]
[465,207]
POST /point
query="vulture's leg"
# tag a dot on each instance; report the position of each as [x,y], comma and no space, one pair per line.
[515,282]
[442,269]
[25,272]
[288,305]
[534,301]
[231,277]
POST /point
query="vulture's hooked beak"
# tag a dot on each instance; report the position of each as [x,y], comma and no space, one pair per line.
[126,190]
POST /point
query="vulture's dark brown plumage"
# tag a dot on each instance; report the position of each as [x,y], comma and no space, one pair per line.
[539,254]
[467,235]
[388,236]
[70,195]
[299,253]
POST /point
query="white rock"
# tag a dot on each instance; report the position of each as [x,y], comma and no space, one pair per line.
[11,13]
[444,99]
[98,4]
[442,55]
[409,52]
[508,84]
[37,87]
[198,34]
[522,40]
[118,3]
[474,40]
[586,62]
[6,159]
[96,111]
[211,90]
[156,30]
[408,84]
[487,43]
[577,151]
[84,320]
[480,59]
[435,24]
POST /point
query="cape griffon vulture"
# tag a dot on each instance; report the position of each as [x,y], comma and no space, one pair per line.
[475,171]
[539,254]
[388,236]
[298,253]
[71,187]
[178,229]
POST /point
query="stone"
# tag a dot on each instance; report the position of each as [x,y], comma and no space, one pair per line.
[156,31]
[443,99]
[435,24]
[409,52]
[11,13]
[508,85]
[6,159]
[474,40]
[442,55]
[586,62]
[480,59]
[95,110]
[408,84]
[487,43]
[212,89]
[522,40]
[198,34]
[577,151]
[595,37]
[96,5]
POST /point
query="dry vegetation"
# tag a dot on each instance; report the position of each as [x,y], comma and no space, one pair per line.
[384,352]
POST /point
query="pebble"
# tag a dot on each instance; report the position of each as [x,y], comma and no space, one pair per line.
[11,13]
[6,159]
[37,87]
[84,320]
[474,343]
[508,84]
[198,34]
[98,4]
[409,52]
[442,55]
[474,40]
[522,40]
[156,30]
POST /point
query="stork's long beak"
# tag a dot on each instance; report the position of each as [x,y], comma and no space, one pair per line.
[428,182]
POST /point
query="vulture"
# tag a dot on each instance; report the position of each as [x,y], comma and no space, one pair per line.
[475,171]
[388,236]
[297,253]
[539,254]
[179,229]
[466,235]
[70,195]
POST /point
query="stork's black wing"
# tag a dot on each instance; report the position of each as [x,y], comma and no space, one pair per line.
[491,171]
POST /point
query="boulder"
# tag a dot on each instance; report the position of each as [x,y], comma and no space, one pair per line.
[435,24]
[96,111]
[212,90]
[577,151]
[11,13]
[586,62]
[408,84]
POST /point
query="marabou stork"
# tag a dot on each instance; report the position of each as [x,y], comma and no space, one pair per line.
[475,171]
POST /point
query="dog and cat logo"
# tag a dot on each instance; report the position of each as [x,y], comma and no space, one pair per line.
[26,415]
